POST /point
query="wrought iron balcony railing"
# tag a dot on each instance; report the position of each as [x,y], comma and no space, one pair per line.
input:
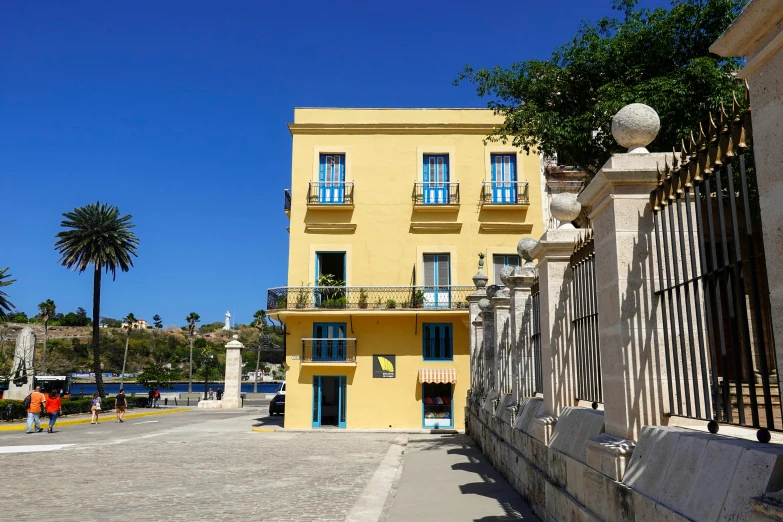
[435,193]
[330,193]
[287,200]
[328,350]
[368,297]
[505,193]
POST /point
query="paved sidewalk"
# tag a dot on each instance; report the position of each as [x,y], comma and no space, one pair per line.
[86,418]
[446,478]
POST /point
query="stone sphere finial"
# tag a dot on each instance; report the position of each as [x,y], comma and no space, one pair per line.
[235,336]
[483,303]
[506,272]
[565,208]
[635,126]
[525,248]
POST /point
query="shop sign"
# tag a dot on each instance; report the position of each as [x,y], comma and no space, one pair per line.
[384,366]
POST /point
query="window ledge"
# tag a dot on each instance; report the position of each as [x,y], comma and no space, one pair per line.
[505,228]
[505,206]
[331,228]
[330,206]
[434,207]
[435,226]
[328,363]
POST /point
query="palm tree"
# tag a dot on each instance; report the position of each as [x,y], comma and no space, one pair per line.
[5,304]
[158,323]
[192,319]
[97,235]
[129,320]
[46,310]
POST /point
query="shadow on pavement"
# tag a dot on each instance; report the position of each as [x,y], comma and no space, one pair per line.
[269,421]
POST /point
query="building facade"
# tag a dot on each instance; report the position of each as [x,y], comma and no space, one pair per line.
[388,210]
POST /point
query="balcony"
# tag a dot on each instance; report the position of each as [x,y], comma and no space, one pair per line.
[435,195]
[370,298]
[330,194]
[329,351]
[505,194]
[287,202]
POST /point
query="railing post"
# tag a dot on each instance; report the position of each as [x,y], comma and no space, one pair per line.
[557,351]
[477,379]
[632,353]
[501,309]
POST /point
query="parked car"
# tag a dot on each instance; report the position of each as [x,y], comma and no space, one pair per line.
[281,391]
[277,404]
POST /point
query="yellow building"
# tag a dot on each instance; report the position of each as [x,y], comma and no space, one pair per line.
[388,210]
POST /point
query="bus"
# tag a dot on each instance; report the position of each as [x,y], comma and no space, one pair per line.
[61,383]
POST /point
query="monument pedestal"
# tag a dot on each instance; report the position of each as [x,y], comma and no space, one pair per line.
[232,394]
[210,405]
[24,355]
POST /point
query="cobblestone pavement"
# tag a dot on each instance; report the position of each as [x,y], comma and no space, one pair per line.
[214,468]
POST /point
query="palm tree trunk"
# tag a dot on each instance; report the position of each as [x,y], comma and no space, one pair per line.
[190,367]
[96,339]
[258,362]
[125,358]
[46,335]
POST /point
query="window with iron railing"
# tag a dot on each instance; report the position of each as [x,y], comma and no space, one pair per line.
[437,342]
[330,193]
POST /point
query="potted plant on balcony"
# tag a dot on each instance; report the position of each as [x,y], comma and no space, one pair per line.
[302,295]
[362,299]
[391,303]
[418,299]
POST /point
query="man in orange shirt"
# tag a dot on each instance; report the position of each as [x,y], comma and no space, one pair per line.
[37,401]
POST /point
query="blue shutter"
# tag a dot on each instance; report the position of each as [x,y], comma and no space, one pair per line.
[342,167]
[446,169]
[513,168]
[426,169]
[494,167]
[322,169]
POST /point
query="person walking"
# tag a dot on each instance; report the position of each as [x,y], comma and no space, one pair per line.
[151,398]
[120,403]
[54,407]
[96,407]
[219,394]
[157,398]
[37,401]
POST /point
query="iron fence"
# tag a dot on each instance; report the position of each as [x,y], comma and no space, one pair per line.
[330,193]
[713,286]
[435,193]
[505,193]
[368,297]
[584,313]
[536,385]
[286,200]
[328,350]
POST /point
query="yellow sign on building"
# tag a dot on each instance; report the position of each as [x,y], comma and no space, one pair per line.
[388,209]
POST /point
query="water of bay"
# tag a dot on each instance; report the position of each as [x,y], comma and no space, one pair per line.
[198,387]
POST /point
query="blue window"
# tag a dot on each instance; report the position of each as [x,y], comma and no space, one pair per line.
[329,343]
[437,268]
[438,342]
[331,179]
[501,260]
[435,174]
[504,177]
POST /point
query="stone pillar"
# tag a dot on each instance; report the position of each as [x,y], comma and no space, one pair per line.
[758,34]
[231,395]
[557,349]
[500,306]
[488,348]
[476,338]
[632,354]
[523,359]
[478,368]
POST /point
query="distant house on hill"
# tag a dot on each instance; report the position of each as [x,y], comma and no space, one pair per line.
[141,324]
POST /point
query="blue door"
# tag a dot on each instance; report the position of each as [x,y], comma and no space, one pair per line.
[329,342]
[329,404]
[436,179]
[504,177]
[331,179]
[437,269]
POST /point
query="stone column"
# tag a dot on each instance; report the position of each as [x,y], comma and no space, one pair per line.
[522,356]
[231,395]
[632,354]
[500,306]
[476,337]
[478,370]
[488,349]
[758,34]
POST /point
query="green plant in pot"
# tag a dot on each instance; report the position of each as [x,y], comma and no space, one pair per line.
[391,303]
[302,295]
[418,299]
[362,299]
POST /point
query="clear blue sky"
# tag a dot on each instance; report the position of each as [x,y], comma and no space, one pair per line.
[176,112]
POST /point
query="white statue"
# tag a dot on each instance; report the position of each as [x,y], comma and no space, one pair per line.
[228,321]
[24,355]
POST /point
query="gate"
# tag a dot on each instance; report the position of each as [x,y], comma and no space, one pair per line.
[712,282]
[535,385]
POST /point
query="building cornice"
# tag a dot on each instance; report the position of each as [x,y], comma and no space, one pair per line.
[391,128]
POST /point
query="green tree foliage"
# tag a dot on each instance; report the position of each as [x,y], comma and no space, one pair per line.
[75,319]
[16,317]
[211,327]
[660,57]
[111,323]
[157,322]
[156,377]
[46,309]
[5,304]
[97,235]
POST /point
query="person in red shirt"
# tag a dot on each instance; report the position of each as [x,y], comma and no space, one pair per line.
[37,401]
[53,408]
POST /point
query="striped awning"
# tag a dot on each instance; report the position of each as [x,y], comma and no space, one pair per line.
[438,375]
